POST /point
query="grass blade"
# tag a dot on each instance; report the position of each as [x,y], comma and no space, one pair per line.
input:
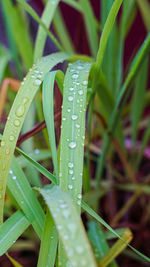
[69,226]
[48,245]
[11,229]
[48,109]
[17,115]
[46,18]
[31,11]
[73,129]
[5,56]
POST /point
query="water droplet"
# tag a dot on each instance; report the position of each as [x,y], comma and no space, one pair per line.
[79,249]
[3,143]
[79,196]
[71,70]
[75,76]
[70,165]
[7,151]
[70,98]
[80,92]
[72,144]
[37,151]
[79,202]
[73,178]
[20,111]
[78,126]
[14,177]
[37,82]
[79,67]
[36,71]
[33,77]
[66,213]
[10,171]
[85,82]
[11,138]
[17,123]
[70,186]
[39,76]
[74,117]
[63,205]
[78,101]
[68,109]
[71,89]
[71,172]
[64,119]
[59,227]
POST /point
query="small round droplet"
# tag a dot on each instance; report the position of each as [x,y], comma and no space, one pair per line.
[68,109]
[75,76]
[17,123]
[37,151]
[80,92]
[70,165]
[70,186]
[64,119]
[78,126]
[14,177]
[71,172]
[71,89]
[72,144]
[3,143]
[74,117]
[79,196]
[20,111]
[37,82]
[79,202]
[85,82]
[11,172]
[73,178]
[11,138]
[70,98]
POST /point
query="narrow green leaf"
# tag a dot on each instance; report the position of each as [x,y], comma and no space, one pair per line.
[74,4]
[20,32]
[37,155]
[48,109]
[5,56]
[73,129]
[25,197]
[100,220]
[31,11]
[46,18]
[11,229]
[48,243]
[69,226]
[18,112]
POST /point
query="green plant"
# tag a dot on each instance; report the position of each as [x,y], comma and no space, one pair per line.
[87,82]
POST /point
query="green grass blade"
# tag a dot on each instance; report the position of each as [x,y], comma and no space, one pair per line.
[106,33]
[121,99]
[31,11]
[98,241]
[5,57]
[138,101]
[144,7]
[46,18]
[61,31]
[20,33]
[101,221]
[48,243]
[18,113]
[20,188]
[38,166]
[73,129]
[69,226]
[48,109]
[11,229]
[74,4]
[37,155]
[91,27]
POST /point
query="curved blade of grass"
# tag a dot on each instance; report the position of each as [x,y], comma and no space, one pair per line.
[25,197]
[17,115]
[5,56]
[46,18]
[121,100]
[98,242]
[90,26]
[11,229]
[101,221]
[37,154]
[144,7]
[48,247]
[14,262]
[31,11]
[73,129]
[61,31]
[138,101]
[48,109]
[69,226]
[38,166]
[116,249]
[20,33]
[74,4]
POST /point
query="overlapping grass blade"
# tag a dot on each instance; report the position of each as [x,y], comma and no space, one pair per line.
[61,30]
[5,56]
[73,129]
[74,4]
[18,112]
[46,18]
[31,11]
[16,23]
[121,99]
[100,220]
[21,190]
[91,26]
[37,154]
[11,229]
[144,7]
[137,104]
[48,109]
[98,241]
[69,226]
[48,247]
